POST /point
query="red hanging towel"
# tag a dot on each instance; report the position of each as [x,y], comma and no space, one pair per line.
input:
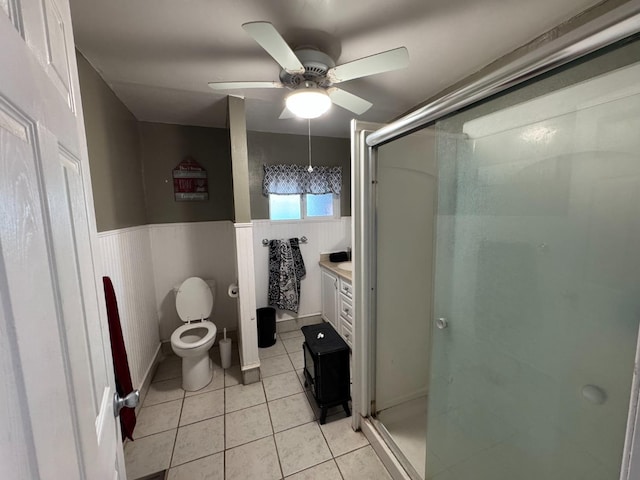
[120,362]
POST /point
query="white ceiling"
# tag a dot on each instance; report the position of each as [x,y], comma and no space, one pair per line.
[158,55]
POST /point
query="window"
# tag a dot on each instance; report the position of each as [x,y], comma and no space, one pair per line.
[297,193]
[304,206]
[320,205]
[285,207]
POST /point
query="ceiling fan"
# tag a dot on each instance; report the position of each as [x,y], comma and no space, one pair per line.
[311,74]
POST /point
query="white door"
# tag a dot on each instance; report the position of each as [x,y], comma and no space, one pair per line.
[56,375]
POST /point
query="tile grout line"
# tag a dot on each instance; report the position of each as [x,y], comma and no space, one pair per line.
[268,406]
[224,426]
[333,457]
[255,439]
[273,433]
[165,379]
[203,456]
[285,396]
[160,403]
[262,377]
[175,438]
[315,465]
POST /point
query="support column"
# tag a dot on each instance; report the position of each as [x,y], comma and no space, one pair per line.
[247,323]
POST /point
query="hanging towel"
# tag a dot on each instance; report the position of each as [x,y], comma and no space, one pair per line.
[120,362]
[298,263]
[285,270]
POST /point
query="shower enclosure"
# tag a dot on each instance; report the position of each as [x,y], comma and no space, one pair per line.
[505,281]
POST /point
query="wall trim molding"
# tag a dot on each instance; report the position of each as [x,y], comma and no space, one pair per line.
[119,231]
[186,224]
[247,322]
[262,221]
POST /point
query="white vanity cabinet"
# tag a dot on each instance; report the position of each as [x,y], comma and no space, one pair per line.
[337,303]
[345,311]
[329,287]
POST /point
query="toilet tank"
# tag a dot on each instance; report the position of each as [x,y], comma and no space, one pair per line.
[212,285]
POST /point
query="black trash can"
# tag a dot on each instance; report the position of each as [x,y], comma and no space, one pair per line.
[266,327]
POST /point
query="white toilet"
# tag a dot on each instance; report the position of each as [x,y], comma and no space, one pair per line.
[192,341]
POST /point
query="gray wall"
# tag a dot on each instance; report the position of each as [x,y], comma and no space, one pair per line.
[276,148]
[132,162]
[163,147]
[112,139]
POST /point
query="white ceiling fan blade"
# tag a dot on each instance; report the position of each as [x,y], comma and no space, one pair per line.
[242,85]
[286,114]
[268,38]
[349,101]
[363,67]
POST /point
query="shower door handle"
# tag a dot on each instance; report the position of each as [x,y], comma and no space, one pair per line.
[442,323]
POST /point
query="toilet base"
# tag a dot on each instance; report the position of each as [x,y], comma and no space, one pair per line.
[197,372]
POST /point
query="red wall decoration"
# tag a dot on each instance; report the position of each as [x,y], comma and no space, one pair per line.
[190,181]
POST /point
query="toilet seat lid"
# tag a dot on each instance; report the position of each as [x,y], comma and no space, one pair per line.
[194,300]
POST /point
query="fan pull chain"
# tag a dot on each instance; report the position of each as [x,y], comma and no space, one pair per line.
[310,169]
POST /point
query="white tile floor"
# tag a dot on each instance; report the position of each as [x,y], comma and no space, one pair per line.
[263,431]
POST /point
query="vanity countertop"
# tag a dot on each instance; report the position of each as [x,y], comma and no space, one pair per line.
[333,267]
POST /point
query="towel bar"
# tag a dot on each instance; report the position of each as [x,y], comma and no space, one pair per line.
[265,241]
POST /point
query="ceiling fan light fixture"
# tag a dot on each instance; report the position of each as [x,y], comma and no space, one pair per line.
[308,102]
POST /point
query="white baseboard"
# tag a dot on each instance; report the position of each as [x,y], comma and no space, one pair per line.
[148,376]
[291,324]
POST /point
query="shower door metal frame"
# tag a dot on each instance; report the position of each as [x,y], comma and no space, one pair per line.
[609,28]
[363,168]
[601,32]
[362,204]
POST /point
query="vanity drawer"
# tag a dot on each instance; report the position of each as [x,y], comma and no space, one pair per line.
[346,309]
[345,288]
[347,333]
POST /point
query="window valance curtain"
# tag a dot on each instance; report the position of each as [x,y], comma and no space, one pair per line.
[296,179]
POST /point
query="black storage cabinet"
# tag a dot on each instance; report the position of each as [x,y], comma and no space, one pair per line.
[266,327]
[326,367]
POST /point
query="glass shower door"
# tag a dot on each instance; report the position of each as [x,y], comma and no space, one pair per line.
[405,220]
[538,280]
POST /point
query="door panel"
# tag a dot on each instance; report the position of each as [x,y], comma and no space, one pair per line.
[57,363]
[329,289]
[56,48]
[37,357]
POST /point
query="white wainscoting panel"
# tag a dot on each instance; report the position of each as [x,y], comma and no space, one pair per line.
[247,324]
[322,237]
[198,249]
[126,259]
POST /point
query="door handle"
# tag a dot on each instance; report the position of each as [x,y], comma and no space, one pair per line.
[130,401]
[442,323]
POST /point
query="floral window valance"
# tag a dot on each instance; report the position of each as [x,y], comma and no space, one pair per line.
[296,179]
